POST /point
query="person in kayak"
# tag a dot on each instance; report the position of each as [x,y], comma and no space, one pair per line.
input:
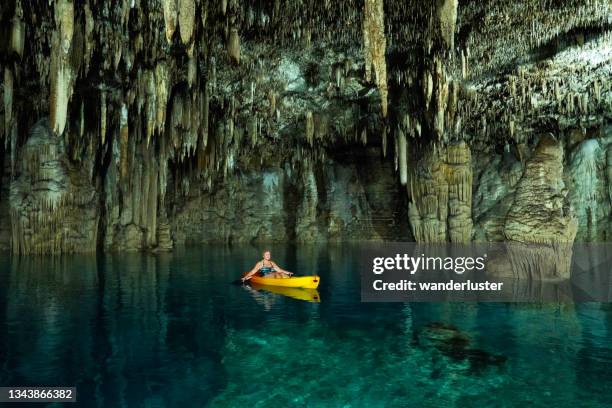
[267,268]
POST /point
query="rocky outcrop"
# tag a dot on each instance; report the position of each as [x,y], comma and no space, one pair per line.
[589,187]
[441,195]
[53,207]
[540,212]
[541,225]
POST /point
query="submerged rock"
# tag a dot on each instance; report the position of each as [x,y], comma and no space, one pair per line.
[457,346]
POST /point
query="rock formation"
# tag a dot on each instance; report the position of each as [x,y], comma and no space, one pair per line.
[136,125]
[541,215]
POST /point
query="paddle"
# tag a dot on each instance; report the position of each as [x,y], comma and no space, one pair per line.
[241,282]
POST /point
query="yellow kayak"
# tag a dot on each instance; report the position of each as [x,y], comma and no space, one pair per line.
[309,295]
[308,282]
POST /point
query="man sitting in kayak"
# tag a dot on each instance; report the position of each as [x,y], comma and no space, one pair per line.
[267,269]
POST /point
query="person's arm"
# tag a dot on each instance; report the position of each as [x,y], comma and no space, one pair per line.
[251,272]
[279,269]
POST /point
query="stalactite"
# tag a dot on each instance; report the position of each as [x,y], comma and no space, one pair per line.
[89,40]
[103,116]
[82,120]
[464,70]
[375,45]
[60,88]
[427,88]
[152,106]
[161,91]
[192,69]
[17,30]
[123,142]
[272,102]
[252,130]
[8,100]
[402,155]
[364,136]
[205,115]
[233,46]
[170,17]
[447,15]
[64,20]
[609,171]
[384,143]
[60,71]
[186,15]
[309,128]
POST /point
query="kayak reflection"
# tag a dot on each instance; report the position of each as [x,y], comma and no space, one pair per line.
[309,295]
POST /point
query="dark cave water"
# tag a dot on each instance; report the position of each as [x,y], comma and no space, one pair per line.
[137,330]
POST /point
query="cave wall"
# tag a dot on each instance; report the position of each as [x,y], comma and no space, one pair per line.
[333,201]
[138,125]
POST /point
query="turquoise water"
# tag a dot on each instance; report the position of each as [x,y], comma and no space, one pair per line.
[169,330]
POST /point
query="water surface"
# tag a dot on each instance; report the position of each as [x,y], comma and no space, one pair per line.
[139,330]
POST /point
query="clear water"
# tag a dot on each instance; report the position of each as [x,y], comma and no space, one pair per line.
[169,330]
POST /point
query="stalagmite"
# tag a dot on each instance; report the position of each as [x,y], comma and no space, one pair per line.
[375,45]
[541,229]
[441,195]
[233,46]
[186,16]
[170,17]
